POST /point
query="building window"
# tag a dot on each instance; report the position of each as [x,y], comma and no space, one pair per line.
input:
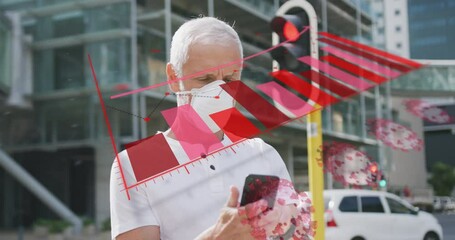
[398,45]
[338,125]
[397,12]
[69,67]
[398,29]
[5,57]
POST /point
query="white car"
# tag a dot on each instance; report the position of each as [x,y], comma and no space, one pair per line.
[370,215]
[447,204]
[437,204]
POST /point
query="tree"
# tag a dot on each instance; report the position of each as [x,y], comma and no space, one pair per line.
[442,179]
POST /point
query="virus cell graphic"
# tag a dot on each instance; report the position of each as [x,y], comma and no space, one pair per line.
[291,209]
[347,165]
[395,135]
[427,112]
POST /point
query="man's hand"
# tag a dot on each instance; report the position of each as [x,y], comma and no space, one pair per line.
[291,212]
[233,220]
[275,222]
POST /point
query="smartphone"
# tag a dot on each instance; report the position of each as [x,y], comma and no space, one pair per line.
[259,187]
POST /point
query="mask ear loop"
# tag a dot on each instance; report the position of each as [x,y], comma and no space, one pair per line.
[220,71]
[182,96]
[181,86]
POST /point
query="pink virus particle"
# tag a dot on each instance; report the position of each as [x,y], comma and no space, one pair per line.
[395,135]
[347,165]
[293,211]
[427,111]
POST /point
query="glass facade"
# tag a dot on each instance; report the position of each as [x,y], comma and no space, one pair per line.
[66,106]
[431,29]
[439,76]
[62,41]
[5,55]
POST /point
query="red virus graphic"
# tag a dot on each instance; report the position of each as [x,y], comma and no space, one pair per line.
[292,210]
[427,112]
[395,135]
[347,165]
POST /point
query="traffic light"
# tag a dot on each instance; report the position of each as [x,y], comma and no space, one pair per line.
[374,170]
[382,182]
[292,28]
[296,25]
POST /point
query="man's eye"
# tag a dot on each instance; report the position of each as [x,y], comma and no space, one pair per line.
[227,79]
[208,78]
[205,80]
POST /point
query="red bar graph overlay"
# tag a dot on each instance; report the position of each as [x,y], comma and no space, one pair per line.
[306,89]
[191,131]
[404,61]
[236,126]
[383,70]
[354,69]
[330,84]
[367,55]
[262,110]
[145,160]
[337,73]
[285,98]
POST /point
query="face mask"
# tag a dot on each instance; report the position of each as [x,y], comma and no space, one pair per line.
[207,100]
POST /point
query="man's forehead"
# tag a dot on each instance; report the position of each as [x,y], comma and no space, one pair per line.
[211,59]
[214,50]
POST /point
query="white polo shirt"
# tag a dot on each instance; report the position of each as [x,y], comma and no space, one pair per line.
[184,205]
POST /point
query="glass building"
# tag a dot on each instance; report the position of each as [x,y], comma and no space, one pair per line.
[51,121]
[431,29]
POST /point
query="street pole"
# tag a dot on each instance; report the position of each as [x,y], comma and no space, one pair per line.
[314,121]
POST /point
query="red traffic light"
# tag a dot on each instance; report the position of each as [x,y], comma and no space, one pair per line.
[290,32]
[374,168]
[291,28]
[288,27]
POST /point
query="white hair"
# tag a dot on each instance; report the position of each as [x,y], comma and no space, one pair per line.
[205,30]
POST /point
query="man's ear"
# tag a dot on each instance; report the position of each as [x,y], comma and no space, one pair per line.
[172,78]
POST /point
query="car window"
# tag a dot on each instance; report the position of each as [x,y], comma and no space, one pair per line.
[372,205]
[397,207]
[349,204]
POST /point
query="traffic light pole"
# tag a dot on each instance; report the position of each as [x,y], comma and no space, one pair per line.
[314,121]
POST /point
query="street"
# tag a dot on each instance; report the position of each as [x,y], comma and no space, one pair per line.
[447,222]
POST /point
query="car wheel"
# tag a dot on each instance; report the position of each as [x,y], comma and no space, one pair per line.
[431,236]
[358,238]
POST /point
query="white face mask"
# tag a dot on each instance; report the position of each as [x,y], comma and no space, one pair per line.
[207,100]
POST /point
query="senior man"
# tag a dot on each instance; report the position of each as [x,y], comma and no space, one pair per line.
[205,203]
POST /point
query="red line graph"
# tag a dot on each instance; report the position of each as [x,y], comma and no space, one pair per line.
[108,124]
